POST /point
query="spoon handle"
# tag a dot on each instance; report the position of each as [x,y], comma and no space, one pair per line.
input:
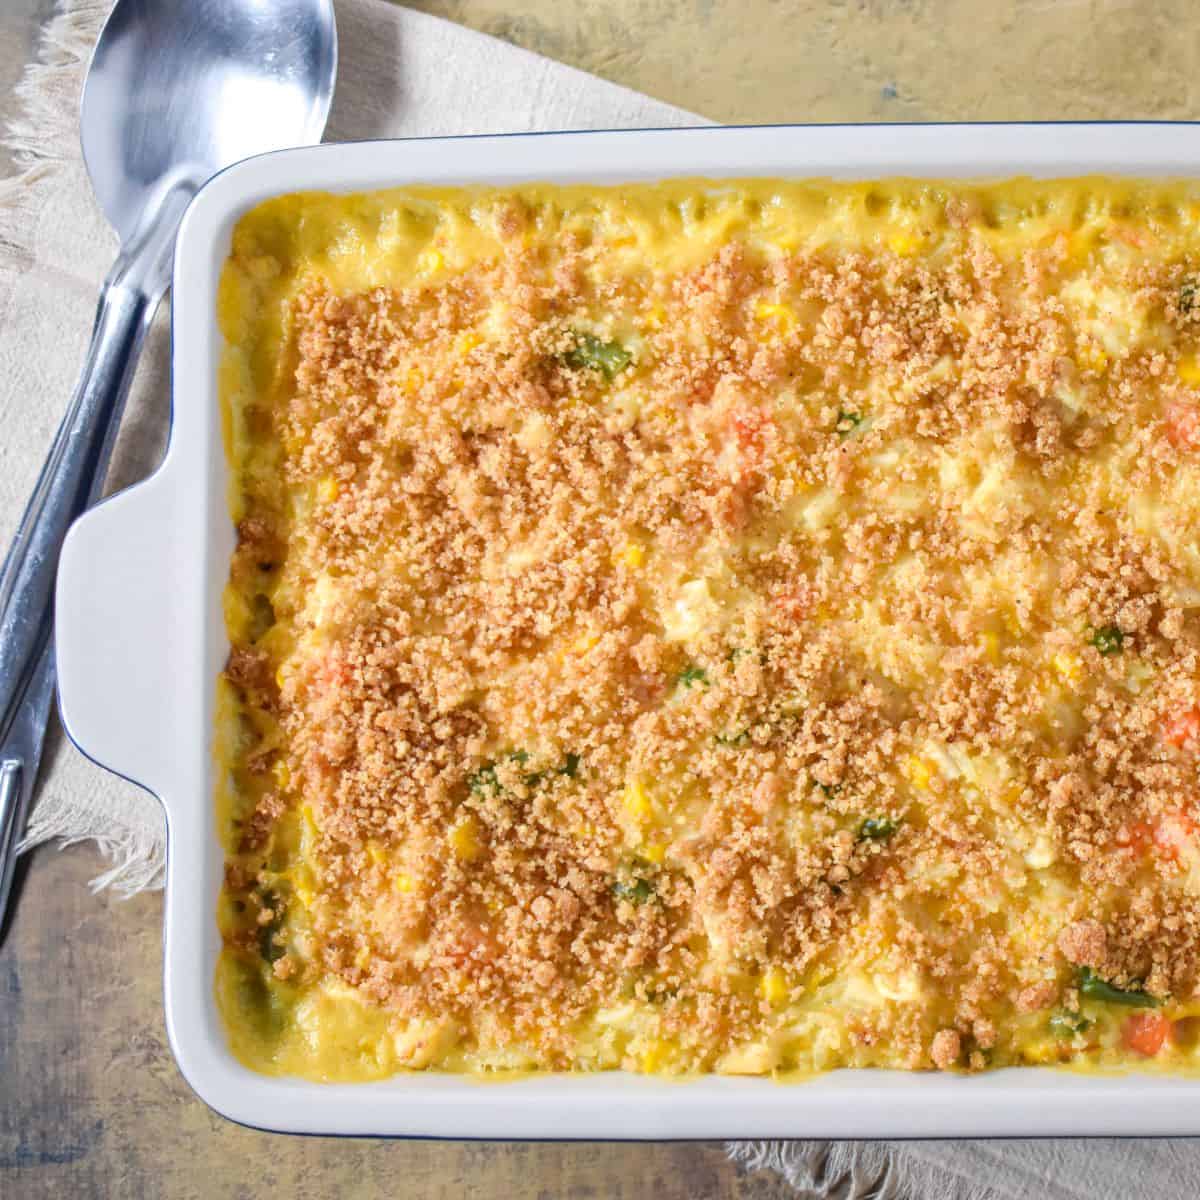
[20,754]
[70,480]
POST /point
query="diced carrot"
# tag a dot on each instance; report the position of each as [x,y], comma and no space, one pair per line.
[1135,836]
[796,602]
[649,688]
[751,427]
[1183,425]
[1174,834]
[468,941]
[734,506]
[1146,1033]
[1139,239]
[333,674]
[1183,729]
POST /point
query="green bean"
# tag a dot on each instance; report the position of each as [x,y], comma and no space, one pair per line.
[1095,988]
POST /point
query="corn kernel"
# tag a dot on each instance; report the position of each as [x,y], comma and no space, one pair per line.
[467,342]
[782,316]
[630,555]
[1041,1052]
[773,986]
[1068,667]
[655,1055]
[464,839]
[404,882]
[305,894]
[310,821]
[636,801]
[1189,370]
[655,315]
[919,772]
[1092,358]
[279,675]
[375,852]
[327,490]
[413,378]
[585,642]
[904,244]
[990,644]
[239,616]
[654,853]
[430,261]
[1079,244]
[282,775]
[584,831]
[362,957]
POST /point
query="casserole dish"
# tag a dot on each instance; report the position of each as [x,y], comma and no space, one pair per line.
[141,642]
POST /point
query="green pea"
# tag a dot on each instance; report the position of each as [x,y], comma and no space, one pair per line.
[1108,640]
[876,829]
[847,423]
[593,354]
[1065,1024]
[635,891]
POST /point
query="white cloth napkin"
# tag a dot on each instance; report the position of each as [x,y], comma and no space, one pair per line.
[402,74]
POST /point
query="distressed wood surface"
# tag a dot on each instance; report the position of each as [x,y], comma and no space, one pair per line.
[756,61]
[91,1104]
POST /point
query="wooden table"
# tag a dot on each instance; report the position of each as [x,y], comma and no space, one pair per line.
[91,1104]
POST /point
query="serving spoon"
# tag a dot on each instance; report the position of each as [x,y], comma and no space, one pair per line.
[176,91]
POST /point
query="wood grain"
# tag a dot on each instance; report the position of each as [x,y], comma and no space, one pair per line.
[93,1105]
[755,61]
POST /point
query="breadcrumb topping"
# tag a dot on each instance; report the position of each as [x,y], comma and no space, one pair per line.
[793,649]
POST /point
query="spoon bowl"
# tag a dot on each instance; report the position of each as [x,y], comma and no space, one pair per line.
[179,89]
[176,91]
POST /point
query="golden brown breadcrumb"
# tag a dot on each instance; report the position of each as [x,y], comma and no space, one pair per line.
[698,638]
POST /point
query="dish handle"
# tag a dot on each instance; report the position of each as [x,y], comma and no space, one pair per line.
[114,616]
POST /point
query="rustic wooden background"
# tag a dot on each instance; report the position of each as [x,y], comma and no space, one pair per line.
[91,1104]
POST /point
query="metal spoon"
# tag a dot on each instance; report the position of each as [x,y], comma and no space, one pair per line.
[176,91]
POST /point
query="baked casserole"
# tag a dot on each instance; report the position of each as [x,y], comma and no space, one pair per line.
[744,627]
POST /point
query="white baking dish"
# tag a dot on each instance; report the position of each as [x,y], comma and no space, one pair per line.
[140,642]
